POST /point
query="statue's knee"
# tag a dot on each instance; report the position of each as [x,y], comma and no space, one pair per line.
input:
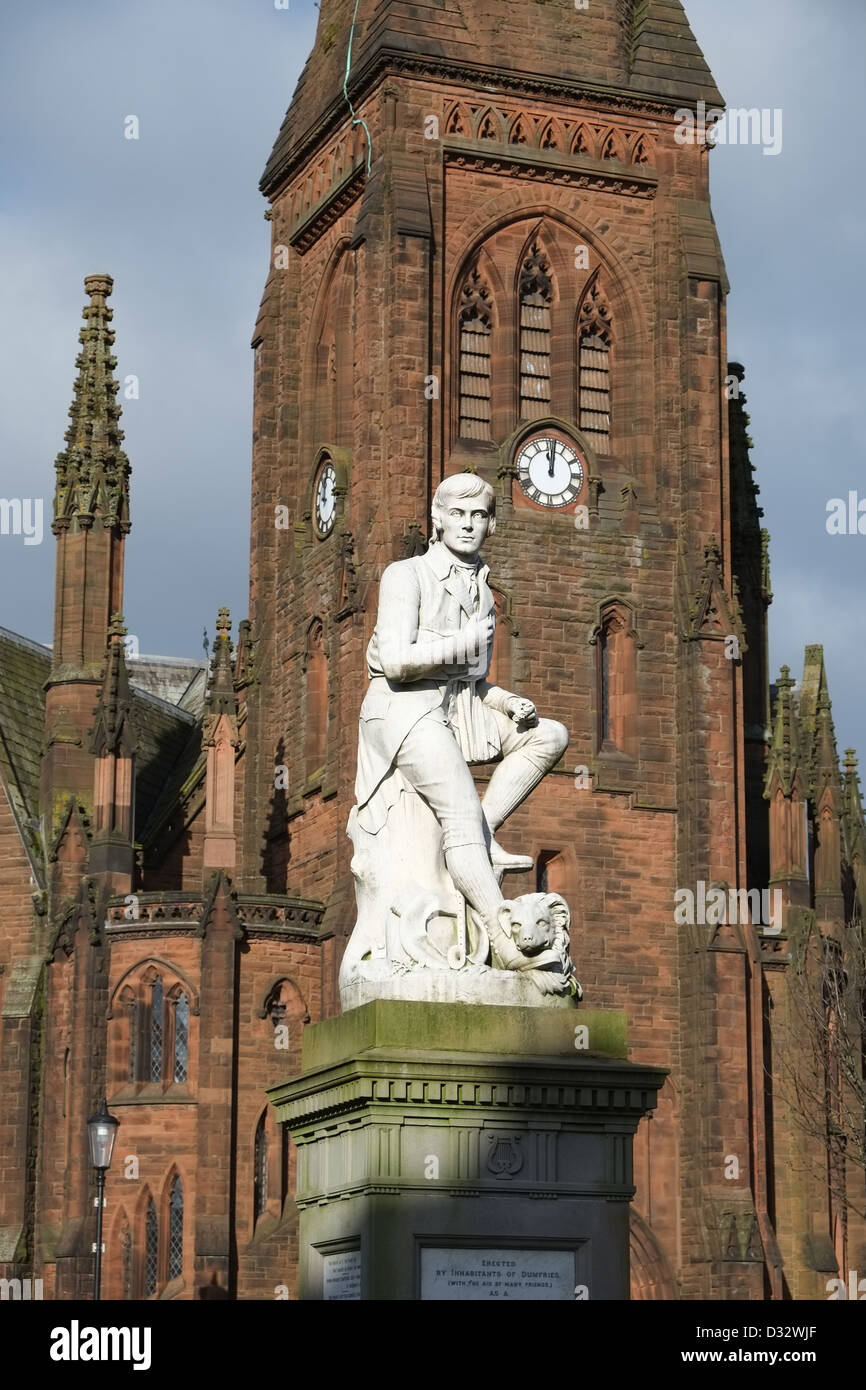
[553,738]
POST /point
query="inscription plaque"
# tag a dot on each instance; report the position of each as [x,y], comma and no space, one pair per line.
[497,1274]
[341,1277]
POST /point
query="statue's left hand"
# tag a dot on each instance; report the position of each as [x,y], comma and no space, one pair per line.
[520,710]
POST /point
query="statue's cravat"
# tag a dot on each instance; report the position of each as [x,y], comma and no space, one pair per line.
[468,577]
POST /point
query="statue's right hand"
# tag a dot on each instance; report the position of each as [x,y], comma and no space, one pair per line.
[480,630]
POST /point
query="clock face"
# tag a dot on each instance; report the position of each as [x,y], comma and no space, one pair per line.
[326,499]
[550,471]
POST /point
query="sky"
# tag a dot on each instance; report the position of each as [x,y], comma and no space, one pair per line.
[176,218]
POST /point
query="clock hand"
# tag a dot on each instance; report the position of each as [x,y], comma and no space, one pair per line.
[551,458]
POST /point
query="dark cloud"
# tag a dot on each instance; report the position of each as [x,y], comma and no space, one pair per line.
[176,218]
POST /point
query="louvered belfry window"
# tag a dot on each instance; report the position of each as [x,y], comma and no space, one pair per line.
[476,321]
[594,337]
[536,296]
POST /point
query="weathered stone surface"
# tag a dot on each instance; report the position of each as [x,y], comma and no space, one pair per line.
[535,1143]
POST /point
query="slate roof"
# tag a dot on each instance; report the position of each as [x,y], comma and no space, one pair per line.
[169,733]
[169,677]
[644,47]
[24,669]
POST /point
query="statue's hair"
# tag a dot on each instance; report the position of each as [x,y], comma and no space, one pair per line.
[461,485]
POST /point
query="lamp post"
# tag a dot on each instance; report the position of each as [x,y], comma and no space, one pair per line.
[102,1132]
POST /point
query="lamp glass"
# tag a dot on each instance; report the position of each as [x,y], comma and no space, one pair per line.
[102,1130]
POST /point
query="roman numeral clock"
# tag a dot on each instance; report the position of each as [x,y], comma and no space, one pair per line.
[550,470]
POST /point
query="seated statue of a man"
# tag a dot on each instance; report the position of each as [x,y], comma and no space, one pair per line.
[430,712]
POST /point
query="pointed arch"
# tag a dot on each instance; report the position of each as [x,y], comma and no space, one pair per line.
[150,1248]
[178,1002]
[583,141]
[337,161]
[651,1275]
[477,393]
[133,976]
[329,353]
[616,642]
[150,1012]
[594,337]
[333,350]
[640,151]
[475,329]
[153,1061]
[174,1227]
[260,1168]
[489,125]
[119,1261]
[521,131]
[496,235]
[552,137]
[284,1000]
[536,295]
[501,661]
[612,146]
[315,697]
[359,144]
[458,120]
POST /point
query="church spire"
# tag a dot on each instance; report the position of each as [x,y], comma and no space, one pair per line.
[93,471]
[220,739]
[221,698]
[91,521]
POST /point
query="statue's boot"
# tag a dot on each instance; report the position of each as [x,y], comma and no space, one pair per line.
[474,877]
[505,863]
[505,954]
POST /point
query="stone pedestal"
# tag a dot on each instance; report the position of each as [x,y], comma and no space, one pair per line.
[452,1151]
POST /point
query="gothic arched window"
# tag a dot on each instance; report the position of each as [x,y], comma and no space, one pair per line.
[616,681]
[181,1038]
[175,1229]
[126,1268]
[157,1031]
[133,1015]
[151,1249]
[260,1170]
[594,336]
[536,297]
[152,1012]
[316,672]
[475,323]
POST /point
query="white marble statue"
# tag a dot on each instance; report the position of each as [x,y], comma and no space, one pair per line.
[432,919]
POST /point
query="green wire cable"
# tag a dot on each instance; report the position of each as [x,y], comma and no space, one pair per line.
[356,120]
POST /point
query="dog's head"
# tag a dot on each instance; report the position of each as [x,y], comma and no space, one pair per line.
[536,922]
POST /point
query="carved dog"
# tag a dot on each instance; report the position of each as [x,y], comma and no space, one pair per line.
[538,924]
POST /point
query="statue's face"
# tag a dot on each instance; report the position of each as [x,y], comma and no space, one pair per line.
[465,523]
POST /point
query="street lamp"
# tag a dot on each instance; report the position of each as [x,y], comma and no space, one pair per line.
[102,1132]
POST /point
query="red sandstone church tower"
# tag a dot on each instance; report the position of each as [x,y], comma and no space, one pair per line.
[496,246]
[490,246]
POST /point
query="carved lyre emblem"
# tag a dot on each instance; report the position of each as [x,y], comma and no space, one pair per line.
[505,1157]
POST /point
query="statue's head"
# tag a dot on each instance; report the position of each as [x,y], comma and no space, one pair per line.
[464,513]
